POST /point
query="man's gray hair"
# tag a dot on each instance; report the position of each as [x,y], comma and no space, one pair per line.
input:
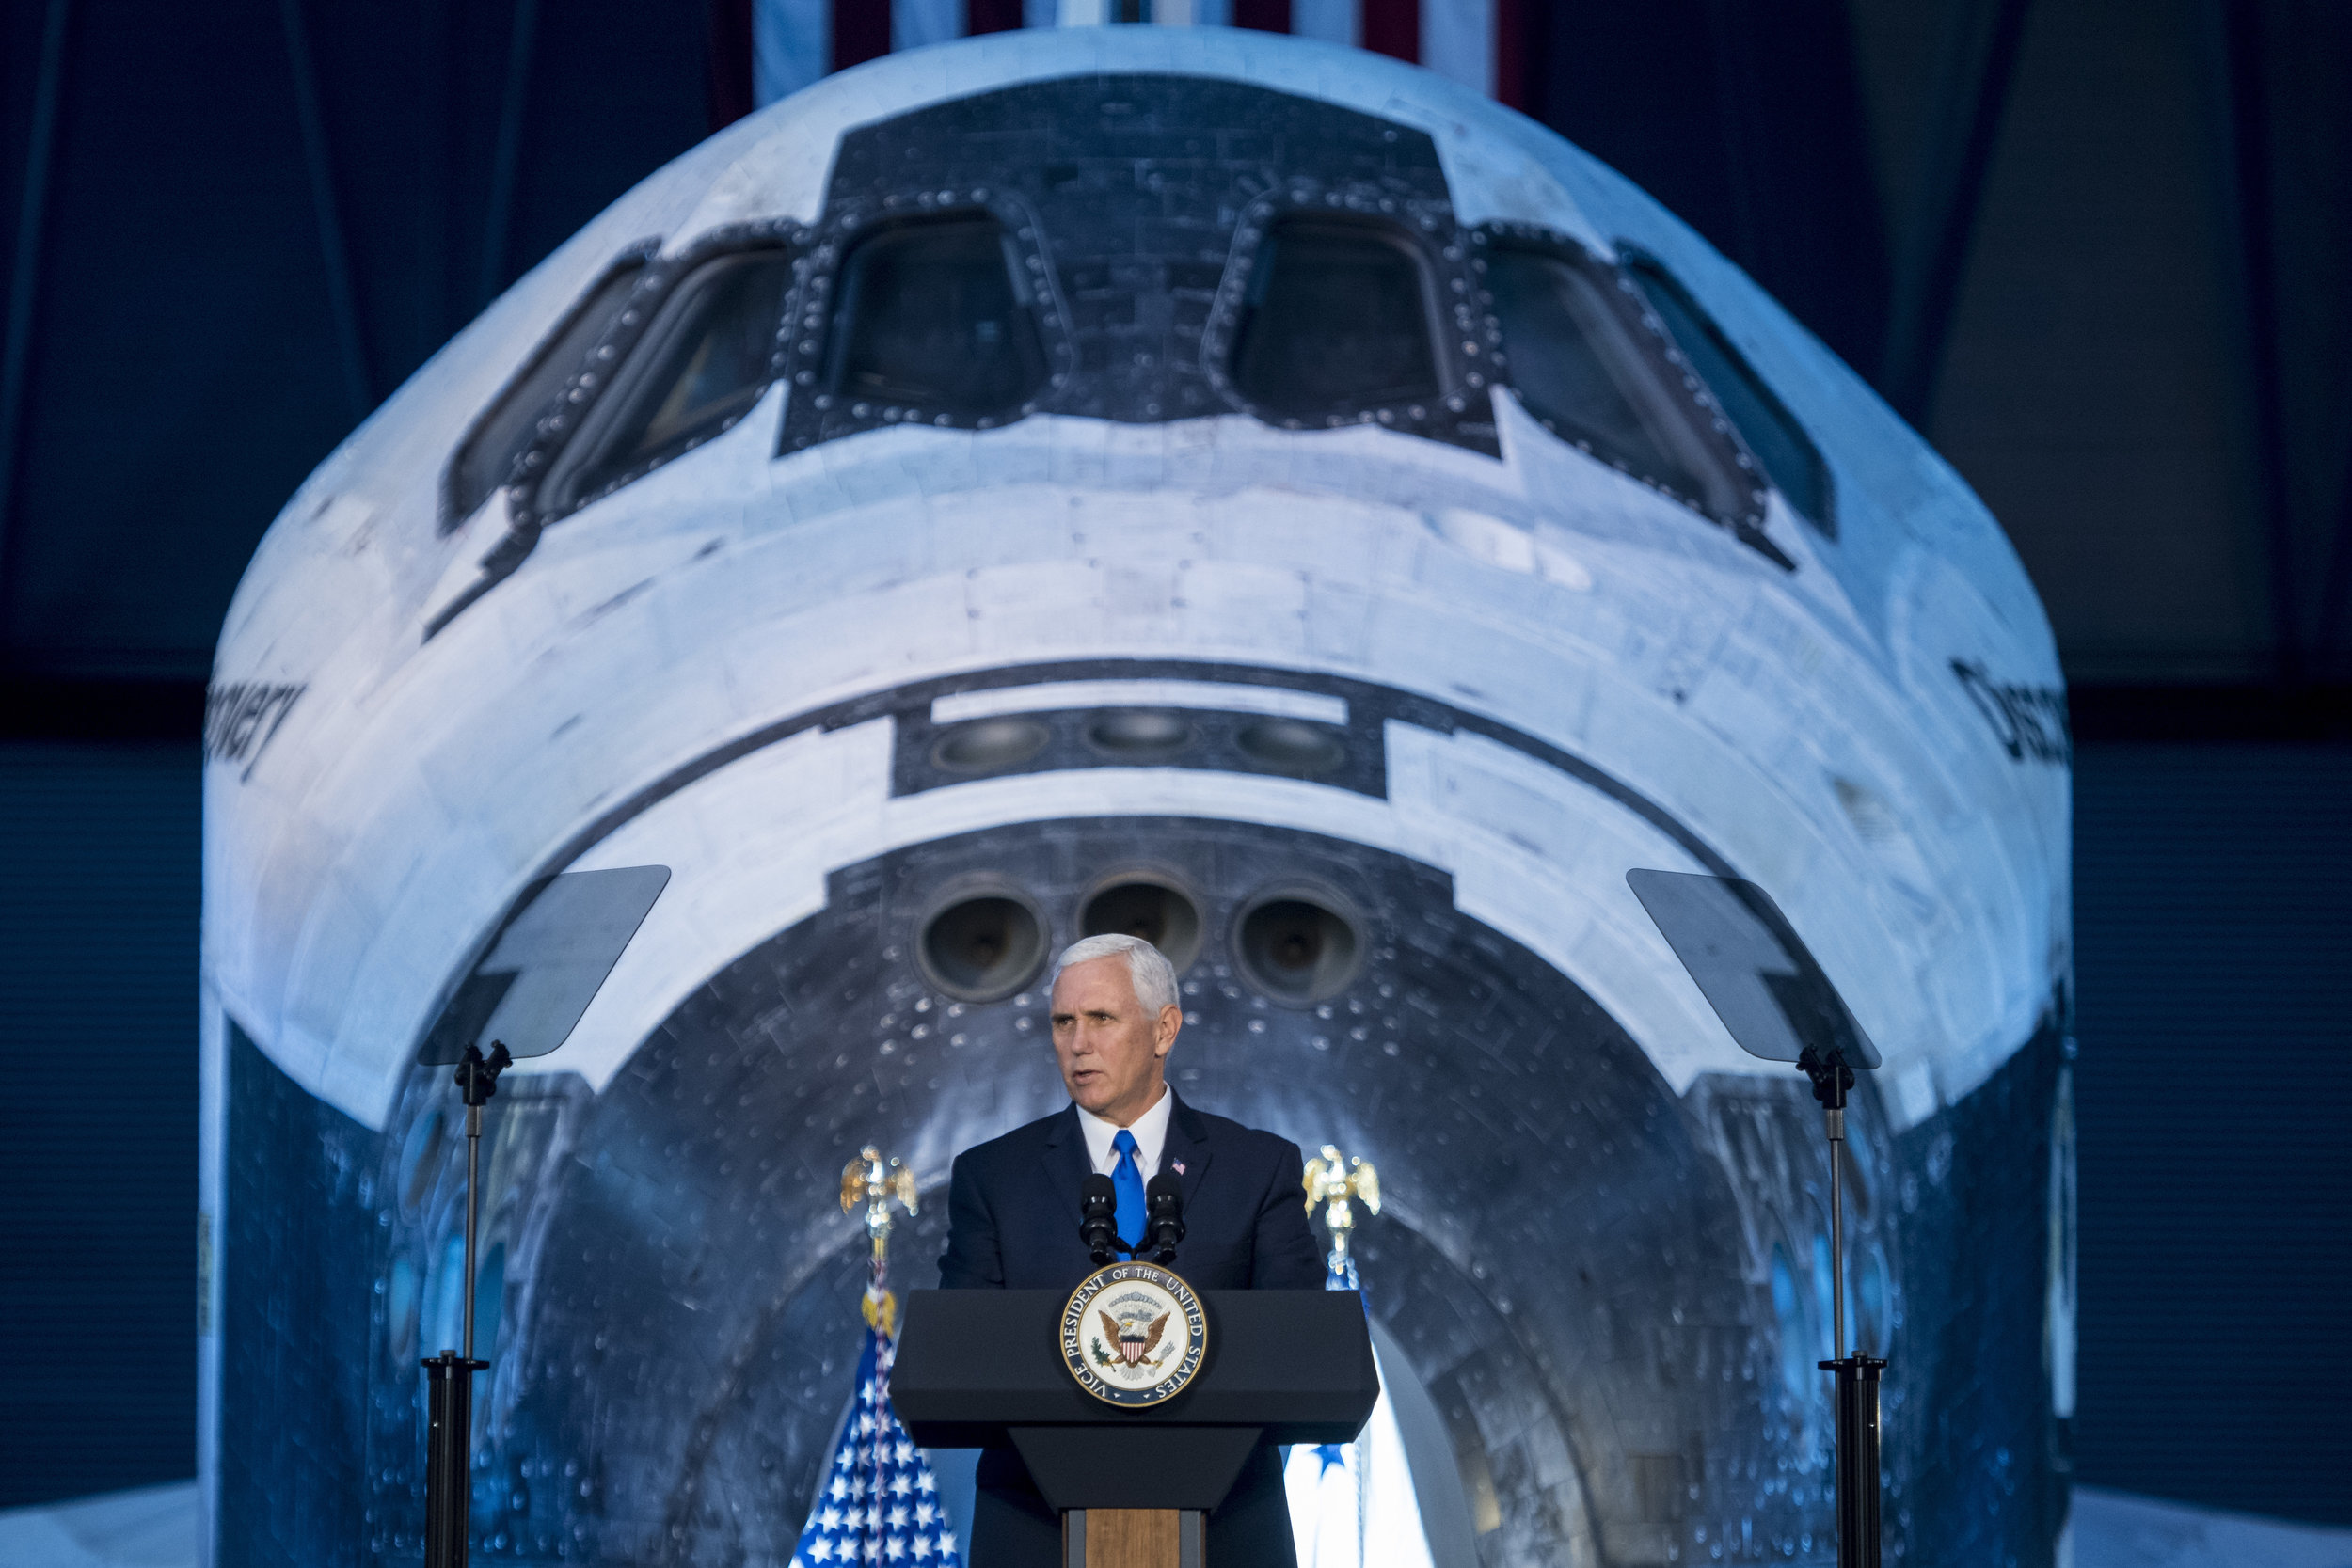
[1155,978]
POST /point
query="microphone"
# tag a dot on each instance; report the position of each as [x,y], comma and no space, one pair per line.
[1164,1202]
[1099,1202]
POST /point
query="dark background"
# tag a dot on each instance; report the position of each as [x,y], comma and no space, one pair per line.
[2095,248]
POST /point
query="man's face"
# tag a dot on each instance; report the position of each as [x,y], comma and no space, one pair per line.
[1113,1054]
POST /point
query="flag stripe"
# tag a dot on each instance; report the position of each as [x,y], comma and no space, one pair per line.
[1457,42]
[861,32]
[1518,31]
[1390,27]
[791,46]
[1489,47]
[916,23]
[732,90]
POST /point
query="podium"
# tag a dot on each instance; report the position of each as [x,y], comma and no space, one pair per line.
[984,1369]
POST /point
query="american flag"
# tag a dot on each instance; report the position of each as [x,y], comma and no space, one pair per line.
[1479,43]
[1354,1506]
[1326,1481]
[879,1503]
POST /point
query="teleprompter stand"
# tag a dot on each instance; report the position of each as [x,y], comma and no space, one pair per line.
[1857,1374]
[1780,1006]
[545,965]
[982,1369]
[449,1376]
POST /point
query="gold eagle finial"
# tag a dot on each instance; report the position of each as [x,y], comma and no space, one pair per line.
[873,1180]
[1338,1183]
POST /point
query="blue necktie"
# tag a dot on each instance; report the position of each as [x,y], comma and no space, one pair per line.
[1127,1181]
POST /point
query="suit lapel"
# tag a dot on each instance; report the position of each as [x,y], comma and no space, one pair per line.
[1187,1145]
[1066,1163]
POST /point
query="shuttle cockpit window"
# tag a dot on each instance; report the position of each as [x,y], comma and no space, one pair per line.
[701,364]
[934,318]
[1336,320]
[1771,432]
[486,458]
[1585,364]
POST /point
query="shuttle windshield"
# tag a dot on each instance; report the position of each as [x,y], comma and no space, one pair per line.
[933,315]
[487,460]
[1772,434]
[1336,320]
[1099,258]
[1578,363]
[702,364]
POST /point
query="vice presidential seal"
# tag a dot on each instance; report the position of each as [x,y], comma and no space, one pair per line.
[1133,1334]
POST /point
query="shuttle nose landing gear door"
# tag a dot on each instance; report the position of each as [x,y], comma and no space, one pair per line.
[1772,996]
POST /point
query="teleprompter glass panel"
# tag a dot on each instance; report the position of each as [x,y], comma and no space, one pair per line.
[529,990]
[1580,364]
[1337,319]
[1772,434]
[702,364]
[934,316]
[1752,967]
[487,460]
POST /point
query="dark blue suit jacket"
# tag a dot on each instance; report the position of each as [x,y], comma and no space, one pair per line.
[1012,1208]
[1012,1225]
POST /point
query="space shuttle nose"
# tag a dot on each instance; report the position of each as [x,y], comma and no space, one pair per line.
[1176,483]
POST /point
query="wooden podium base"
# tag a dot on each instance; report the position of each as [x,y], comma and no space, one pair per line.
[1133,1537]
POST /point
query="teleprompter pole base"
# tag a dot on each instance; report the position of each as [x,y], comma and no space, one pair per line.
[1133,1537]
[448,1443]
[1857,1459]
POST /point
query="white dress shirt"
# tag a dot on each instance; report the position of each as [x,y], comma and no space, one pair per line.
[1151,1131]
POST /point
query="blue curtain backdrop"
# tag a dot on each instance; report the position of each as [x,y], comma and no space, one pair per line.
[2213,914]
[97,932]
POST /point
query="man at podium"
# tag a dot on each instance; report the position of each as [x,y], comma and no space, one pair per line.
[1013,1218]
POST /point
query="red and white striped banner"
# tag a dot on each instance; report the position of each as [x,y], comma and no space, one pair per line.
[1475,43]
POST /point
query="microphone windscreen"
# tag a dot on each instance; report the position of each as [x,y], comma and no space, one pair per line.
[1097,1189]
[1165,1191]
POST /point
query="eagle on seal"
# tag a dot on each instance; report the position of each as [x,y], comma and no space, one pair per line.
[1134,1342]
